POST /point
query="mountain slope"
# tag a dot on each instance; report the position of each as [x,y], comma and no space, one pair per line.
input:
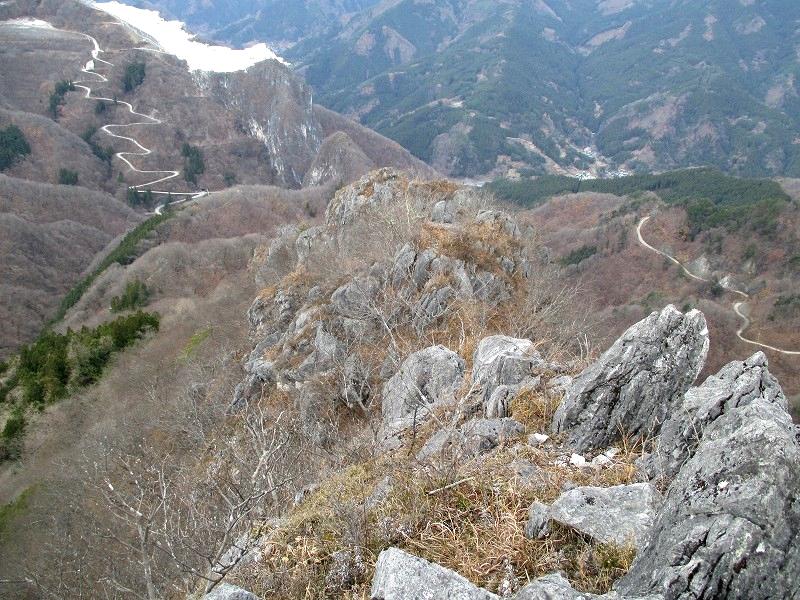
[473,86]
[49,235]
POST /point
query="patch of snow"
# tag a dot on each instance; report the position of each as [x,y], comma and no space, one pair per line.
[173,38]
[28,22]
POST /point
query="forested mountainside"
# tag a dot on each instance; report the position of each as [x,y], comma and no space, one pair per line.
[562,86]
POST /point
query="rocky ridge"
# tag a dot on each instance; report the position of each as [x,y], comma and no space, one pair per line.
[625,458]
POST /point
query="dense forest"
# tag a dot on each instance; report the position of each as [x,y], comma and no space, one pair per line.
[134,76]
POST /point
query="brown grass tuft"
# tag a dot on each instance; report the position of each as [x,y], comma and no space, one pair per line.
[535,408]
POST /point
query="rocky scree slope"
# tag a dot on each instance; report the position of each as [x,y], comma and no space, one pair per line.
[485,456]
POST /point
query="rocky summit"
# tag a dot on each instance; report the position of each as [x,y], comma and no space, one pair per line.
[692,483]
[533,336]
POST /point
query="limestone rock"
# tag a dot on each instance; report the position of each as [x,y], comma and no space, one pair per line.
[353,298]
[621,514]
[730,524]
[402,576]
[226,591]
[538,522]
[737,384]
[482,435]
[552,587]
[503,361]
[430,376]
[473,438]
[378,188]
[637,383]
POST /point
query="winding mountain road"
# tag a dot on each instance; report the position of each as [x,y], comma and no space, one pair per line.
[737,307]
[165,175]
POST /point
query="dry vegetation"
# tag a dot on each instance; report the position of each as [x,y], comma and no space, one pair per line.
[48,236]
[624,282]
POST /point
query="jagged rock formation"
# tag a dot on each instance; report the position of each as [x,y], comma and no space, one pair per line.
[730,523]
[633,387]
[502,367]
[428,377]
[738,384]
[313,328]
[399,576]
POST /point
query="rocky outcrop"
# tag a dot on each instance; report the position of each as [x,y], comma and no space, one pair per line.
[380,188]
[636,384]
[730,524]
[552,587]
[400,576]
[622,514]
[738,384]
[473,438]
[428,377]
[502,367]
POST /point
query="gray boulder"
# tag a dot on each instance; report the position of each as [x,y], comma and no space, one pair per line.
[473,438]
[737,384]
[402,576]
[637,383]
[730,524]
[353,299]
[502,361]
[430,307]
[621,514]
[226,591]
[556,587]
[483,435]
[552,587]
[430,376]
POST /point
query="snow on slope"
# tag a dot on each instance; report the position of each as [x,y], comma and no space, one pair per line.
[173,38]
[27,23]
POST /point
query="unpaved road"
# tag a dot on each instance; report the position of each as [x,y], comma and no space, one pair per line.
[737,306]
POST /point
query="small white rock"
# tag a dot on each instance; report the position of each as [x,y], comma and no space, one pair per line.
[611,452]
[537,439]
[576,460]
[601,460]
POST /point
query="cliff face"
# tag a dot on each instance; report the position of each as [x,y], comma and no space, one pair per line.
[275,107]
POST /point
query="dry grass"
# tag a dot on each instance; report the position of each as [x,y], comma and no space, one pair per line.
[535,408]
[482,244]
[475,528]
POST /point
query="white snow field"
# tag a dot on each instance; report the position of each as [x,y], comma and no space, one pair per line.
[173,38]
